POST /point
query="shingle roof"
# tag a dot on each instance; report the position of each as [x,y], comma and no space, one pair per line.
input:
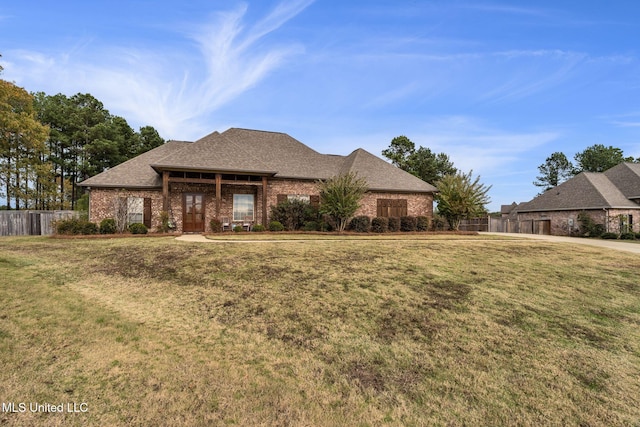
[382,176]
[260,152]
[626,176]
[587,190]
[215,152]
[136,172]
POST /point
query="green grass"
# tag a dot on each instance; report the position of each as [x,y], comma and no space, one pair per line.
[411,331]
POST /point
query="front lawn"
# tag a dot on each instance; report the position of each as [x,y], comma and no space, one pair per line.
[471,330]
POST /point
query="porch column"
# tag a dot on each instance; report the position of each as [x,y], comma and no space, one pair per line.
[165,191]
[218,194]
[264,201]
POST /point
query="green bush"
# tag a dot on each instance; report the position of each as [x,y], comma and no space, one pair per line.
[108,226]
[439,223]
[360,224]
[258,228]
[628,236]
[276,226]
[216,225]
[165,222]
[422,223]
[638,236]
[75,226]
[238,229]
[294,213]
[380,224]
[588,227]
[408,223]
[609,235]
[311,226]
[138,228]
[394,224]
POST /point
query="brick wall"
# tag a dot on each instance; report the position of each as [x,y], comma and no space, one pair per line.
[418,204]
[102,204]
[563,223]
[103,201]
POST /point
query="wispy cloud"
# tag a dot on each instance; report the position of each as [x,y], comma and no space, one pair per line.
[473,144]
[158,86]
[501,8]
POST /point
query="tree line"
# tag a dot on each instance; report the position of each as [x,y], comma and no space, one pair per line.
[51,143]
[557,168]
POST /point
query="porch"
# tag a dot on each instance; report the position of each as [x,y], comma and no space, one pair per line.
[193,199]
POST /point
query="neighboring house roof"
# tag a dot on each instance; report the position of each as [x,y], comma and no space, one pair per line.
[626,176]
[258,152]
[506,209]
[587,190]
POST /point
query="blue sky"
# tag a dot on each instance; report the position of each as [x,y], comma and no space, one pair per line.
[497,85]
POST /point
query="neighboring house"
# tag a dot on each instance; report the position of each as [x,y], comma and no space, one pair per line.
[238,175]
[611,198]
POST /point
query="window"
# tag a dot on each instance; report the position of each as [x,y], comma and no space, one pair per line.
[301,197]
[242,206]
[313,200]
[391,207]
[135,210]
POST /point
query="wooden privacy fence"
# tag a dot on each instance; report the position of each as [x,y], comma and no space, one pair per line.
[475,224]
[31,223]
[506,225]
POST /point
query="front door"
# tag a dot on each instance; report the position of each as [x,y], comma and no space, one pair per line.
[193,213]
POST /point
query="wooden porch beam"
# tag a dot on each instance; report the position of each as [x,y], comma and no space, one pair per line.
[264,201]
[218,194]
[165,191]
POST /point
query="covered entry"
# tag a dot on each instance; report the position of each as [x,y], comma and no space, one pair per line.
[193,213]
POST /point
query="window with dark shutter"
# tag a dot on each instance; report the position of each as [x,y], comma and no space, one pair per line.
[391,207]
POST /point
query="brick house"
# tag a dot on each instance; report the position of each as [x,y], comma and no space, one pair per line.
[611,198]
[237,175]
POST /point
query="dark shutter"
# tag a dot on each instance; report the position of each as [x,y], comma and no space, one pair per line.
[281,198]
[314,201]
[147,212]
[391,207]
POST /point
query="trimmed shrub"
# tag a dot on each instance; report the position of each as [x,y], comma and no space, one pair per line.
[311,226]
[138,228]
[628,236]
[380,224]
[75,226]
[408,223]
[360,224]
[216,225]
[276,226]
[258,228]
[422,223]
[108,226]
[439,223]
[638,236]
[394,224]
[238,229]
[609,236]
[294,213]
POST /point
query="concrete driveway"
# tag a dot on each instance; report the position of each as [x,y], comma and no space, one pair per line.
[609,244]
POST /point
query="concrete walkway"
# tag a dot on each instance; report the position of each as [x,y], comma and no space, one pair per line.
[608,244]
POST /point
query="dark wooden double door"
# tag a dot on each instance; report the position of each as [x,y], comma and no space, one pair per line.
[193,213]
